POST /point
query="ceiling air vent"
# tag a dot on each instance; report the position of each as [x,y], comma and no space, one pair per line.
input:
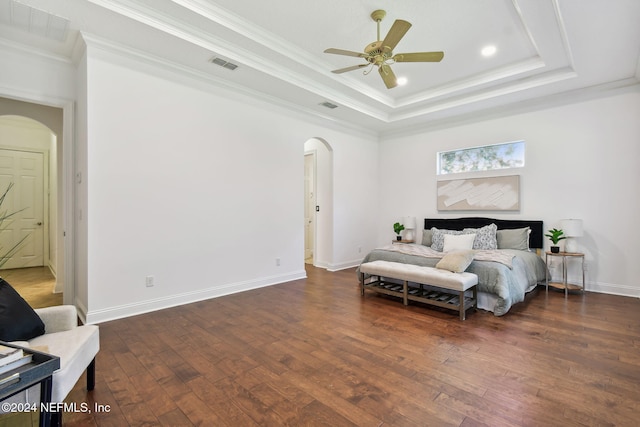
[328,105]
[224,64]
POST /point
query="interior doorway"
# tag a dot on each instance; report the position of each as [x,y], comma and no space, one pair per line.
[318,210]
[57,116]
[29,164]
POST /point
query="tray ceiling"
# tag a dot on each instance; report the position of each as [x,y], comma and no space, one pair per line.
[544,49]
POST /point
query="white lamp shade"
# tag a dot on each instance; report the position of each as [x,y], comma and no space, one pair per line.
[572,227]
[409,222]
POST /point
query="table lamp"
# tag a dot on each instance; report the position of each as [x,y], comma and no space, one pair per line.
[572,228]
[409,223]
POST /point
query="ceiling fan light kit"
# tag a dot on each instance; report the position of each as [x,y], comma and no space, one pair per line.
[380,52]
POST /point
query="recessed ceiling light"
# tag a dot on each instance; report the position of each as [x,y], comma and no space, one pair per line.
[488,50]
[402,81]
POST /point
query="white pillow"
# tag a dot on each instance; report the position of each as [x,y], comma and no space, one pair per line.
[459,242]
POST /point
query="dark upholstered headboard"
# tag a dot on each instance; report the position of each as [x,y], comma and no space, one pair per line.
[535,239]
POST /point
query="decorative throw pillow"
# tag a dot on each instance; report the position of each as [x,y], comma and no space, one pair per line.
[437,237]
[456,261]
[485,237]
[18,321]
[517,238]
[454,242]
[426,237]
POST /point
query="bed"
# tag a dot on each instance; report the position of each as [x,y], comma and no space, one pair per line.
[506,258]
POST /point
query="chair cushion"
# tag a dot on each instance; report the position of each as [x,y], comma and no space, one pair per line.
[18,321]
[76,349]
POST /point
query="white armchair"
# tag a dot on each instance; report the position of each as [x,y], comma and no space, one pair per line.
[77,347]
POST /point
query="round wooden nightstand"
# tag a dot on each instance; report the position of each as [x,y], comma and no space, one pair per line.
[564,284]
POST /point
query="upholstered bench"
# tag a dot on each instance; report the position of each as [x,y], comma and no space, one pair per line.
[443,288]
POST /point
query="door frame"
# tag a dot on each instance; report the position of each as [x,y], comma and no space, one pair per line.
[65,270]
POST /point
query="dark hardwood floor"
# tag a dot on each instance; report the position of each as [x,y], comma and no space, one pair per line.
[314,352]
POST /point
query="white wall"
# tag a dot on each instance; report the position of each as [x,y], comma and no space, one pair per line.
[581,162]
[199,190]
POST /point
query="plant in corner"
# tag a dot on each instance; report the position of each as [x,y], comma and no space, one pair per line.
[555,235]
[397,227]
[6,256]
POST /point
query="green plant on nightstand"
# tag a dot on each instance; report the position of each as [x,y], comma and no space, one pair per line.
[397,227]
[555,235]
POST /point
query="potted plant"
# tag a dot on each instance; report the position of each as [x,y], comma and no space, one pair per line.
[555,235]
[397,227]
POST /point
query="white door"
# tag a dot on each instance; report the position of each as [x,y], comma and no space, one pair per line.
[309,205]
[26,171]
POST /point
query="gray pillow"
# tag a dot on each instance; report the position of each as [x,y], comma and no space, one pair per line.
[517,238]
[426,237]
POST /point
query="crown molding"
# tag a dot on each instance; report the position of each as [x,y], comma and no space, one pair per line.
[483,95]
[619,87]
[31,51]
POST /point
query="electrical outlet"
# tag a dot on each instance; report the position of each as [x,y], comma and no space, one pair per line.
[278,262]
[149,281]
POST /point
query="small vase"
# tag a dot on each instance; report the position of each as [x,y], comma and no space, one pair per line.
[555,249]
[398,238]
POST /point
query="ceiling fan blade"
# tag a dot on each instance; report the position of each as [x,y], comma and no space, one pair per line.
[353,67]
[388,77]
[419,57]
[397,31]
[345,52]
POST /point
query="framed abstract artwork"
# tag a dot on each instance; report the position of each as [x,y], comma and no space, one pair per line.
[498,193]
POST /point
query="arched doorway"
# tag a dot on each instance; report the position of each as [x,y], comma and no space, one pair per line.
[28,166]
[318,202]
[57,115]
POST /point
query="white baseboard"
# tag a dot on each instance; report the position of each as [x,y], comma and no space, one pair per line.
[614,289]
[127,310]
[82,311]
[343,265]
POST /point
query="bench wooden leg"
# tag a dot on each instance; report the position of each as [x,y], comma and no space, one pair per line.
[405,290]
[462,308]
[475,298]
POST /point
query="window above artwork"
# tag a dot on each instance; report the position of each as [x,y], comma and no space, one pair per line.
[488,157]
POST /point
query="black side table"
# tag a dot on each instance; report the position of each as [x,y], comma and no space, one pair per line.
[40,370]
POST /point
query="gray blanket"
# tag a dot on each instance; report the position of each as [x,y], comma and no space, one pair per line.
[508,284]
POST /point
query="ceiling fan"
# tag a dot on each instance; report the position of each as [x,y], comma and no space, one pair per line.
[380,52]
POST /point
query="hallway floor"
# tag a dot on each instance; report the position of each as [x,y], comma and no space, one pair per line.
[34,284]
